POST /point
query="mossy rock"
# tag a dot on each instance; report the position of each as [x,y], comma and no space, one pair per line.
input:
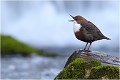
[9,45]
[72,58]
[79,54]
[81,69]
[76,69]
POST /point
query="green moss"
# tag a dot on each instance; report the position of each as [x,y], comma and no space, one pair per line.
[74,70]
[10,45]
[92,63]
[111,72]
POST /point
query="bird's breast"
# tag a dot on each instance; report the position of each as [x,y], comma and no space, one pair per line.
[79,35]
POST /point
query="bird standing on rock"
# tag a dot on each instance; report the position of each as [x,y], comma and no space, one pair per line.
[86,31]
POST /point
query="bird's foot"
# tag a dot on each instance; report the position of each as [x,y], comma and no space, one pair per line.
[86,50]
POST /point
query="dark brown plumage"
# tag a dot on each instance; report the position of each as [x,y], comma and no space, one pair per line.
[86,31]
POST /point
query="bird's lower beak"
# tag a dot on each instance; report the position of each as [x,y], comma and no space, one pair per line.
[70,20]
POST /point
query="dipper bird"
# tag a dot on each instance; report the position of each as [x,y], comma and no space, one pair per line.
[86,31]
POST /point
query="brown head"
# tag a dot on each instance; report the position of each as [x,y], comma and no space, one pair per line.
[78,19]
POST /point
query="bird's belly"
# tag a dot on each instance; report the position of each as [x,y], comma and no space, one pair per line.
[81,37]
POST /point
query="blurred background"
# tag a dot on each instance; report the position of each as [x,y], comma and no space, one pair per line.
[44,25]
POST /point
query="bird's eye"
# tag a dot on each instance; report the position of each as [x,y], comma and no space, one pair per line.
[76,19]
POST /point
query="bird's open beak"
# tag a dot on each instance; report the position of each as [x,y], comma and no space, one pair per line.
[72,17]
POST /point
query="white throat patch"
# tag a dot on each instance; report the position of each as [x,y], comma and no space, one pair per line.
[76,26]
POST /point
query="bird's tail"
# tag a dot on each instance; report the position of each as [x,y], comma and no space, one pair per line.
[107,38]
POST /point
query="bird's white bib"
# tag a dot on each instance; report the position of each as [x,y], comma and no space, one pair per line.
[76,26]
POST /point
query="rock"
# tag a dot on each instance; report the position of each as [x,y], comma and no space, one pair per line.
[94,55]
[90,65]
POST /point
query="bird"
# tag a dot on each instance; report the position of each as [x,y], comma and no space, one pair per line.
[86,31]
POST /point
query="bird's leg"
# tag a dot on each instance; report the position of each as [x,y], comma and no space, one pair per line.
[89,46]
[85,46]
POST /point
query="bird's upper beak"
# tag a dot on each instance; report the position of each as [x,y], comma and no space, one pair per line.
[71,16]
[71,20]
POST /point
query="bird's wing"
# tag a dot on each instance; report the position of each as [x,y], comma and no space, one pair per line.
[92,29]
